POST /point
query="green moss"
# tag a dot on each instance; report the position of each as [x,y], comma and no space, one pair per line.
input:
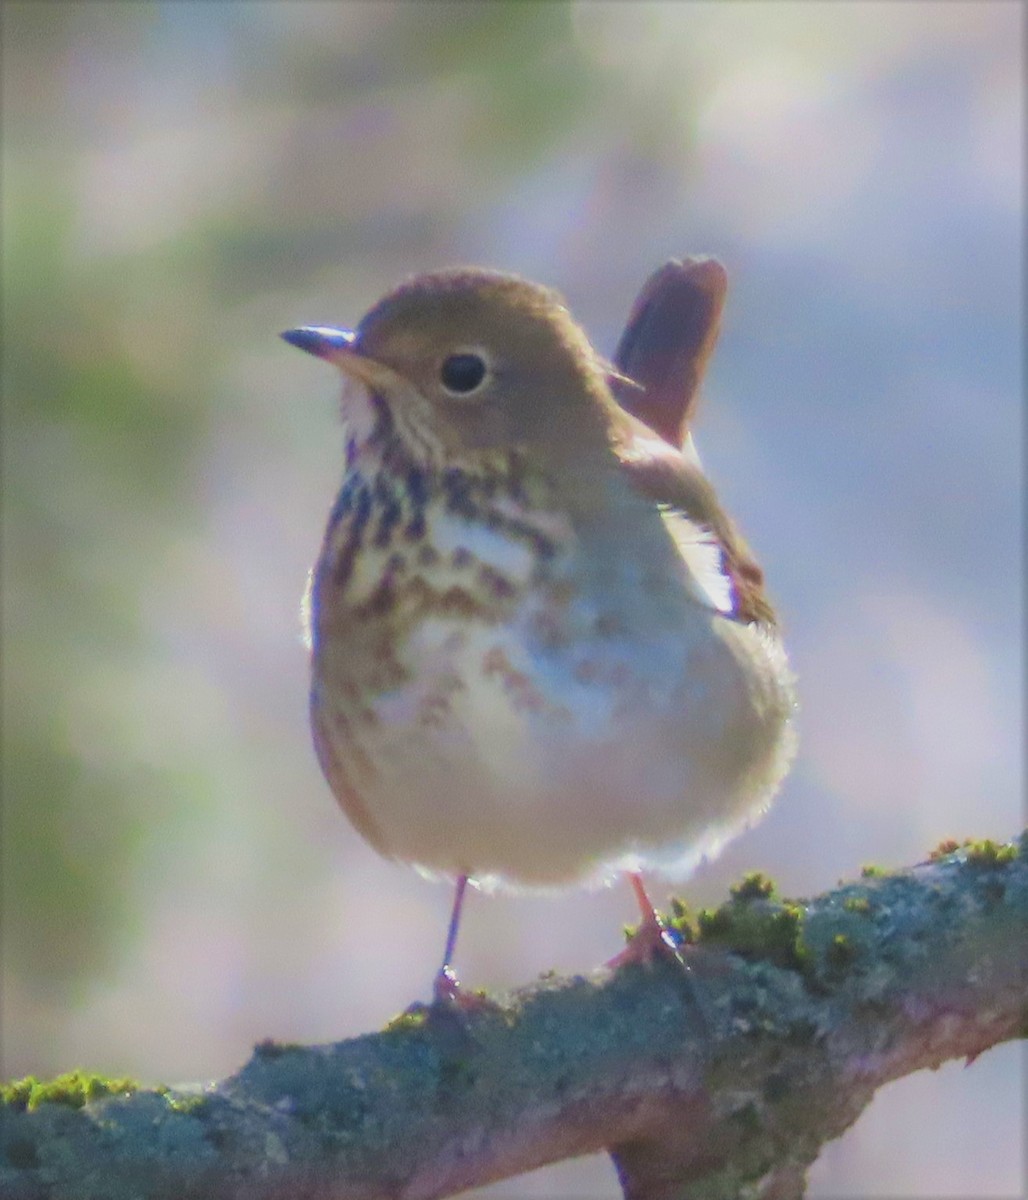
[73,1089]
[944,849]
[857,904]
[185,1103]
[759,930]
[412,1018]
[755,885]
[983,853]
[987,853]
[17,1093]
[872,871]
[840,951]
[682,921]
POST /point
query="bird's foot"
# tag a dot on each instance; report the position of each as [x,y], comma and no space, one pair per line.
[448,993]
[650,942]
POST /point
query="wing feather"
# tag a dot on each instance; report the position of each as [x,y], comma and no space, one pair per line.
[725,572]
[704,557]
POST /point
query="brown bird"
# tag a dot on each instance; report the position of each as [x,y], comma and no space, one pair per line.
[541,653]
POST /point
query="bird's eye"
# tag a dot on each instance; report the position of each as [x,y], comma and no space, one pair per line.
[461,374]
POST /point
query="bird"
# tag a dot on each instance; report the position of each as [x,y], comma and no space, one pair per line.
[542,655]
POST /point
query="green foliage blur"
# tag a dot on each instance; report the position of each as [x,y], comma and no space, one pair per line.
[288,134]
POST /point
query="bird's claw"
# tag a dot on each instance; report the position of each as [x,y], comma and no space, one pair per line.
[650,942]
[448,994]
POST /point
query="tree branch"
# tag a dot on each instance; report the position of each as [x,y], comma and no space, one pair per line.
[724,1080]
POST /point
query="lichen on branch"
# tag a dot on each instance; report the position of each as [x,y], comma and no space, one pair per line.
[723,1079]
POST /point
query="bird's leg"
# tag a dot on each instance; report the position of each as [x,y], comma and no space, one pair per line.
[447,994]
[651,940]
[446,988]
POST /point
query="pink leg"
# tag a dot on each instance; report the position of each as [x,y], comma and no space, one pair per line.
[446,987]
[651,940]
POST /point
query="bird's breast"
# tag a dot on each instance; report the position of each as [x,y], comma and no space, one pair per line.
[481,681]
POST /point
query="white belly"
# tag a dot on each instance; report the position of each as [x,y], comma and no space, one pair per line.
[533,765]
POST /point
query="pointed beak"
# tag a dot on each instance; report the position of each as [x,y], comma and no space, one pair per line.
[321,340]
[340,347]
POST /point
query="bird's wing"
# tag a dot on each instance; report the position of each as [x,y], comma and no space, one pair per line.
[726,574]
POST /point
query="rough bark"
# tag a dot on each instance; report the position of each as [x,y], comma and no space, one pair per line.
[723,1080]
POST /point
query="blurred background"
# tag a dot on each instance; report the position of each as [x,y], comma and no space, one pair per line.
[183,180]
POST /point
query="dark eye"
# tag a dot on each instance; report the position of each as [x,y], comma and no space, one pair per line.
[462,373]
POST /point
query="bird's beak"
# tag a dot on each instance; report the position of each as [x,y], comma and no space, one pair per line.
[321,340]
[337,346]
